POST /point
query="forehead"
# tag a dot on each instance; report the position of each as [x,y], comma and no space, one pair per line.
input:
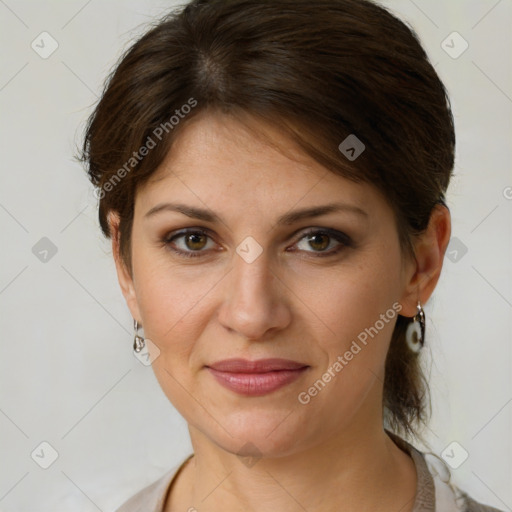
[218,160]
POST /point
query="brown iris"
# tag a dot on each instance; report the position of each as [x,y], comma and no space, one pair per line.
[316,241]
[195,241]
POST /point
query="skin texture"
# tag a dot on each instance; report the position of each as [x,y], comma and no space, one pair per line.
[290,303]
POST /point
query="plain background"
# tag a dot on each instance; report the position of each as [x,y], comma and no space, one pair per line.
[68,374]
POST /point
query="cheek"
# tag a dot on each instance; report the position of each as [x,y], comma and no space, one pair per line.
[352,300]
[172,304]
[358,311]
[172,299]
[360,307]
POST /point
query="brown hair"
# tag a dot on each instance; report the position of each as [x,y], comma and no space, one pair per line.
[320,71]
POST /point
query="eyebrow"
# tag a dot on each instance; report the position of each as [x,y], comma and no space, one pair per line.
[286,219]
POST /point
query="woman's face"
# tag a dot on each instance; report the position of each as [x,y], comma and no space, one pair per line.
[252,284]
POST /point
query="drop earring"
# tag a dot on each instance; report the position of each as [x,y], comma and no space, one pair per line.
[138,341]
[415,334]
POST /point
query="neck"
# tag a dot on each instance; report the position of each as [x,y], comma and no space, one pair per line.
[358,470]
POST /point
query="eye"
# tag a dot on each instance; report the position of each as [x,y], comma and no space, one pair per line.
[193,243]
[320,240]
[190,243]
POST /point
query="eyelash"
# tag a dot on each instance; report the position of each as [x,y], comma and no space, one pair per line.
[344,240]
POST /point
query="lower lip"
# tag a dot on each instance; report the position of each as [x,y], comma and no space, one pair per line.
[256,384]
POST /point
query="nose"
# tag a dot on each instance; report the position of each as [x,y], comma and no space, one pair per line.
[255,303]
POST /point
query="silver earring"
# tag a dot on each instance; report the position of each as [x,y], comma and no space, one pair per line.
[415,334]
[138,341]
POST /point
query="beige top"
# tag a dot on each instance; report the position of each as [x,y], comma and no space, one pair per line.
[434,492]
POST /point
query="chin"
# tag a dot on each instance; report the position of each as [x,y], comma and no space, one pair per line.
[260,434]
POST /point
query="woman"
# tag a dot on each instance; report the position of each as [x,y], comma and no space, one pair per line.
[272,175]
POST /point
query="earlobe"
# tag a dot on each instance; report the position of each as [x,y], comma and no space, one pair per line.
[429,249]
[123,275]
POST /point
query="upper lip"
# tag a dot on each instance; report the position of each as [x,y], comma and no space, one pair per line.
[258,366]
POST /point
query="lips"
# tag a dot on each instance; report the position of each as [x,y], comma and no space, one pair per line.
[258,366]
[256,378]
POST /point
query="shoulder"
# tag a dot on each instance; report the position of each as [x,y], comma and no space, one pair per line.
[448,496]
[474,506]
[435,490]
[152,497]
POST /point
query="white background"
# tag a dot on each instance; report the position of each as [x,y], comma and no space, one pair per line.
[67,372]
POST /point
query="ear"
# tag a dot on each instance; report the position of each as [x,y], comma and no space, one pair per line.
[422,272]
[123,275]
